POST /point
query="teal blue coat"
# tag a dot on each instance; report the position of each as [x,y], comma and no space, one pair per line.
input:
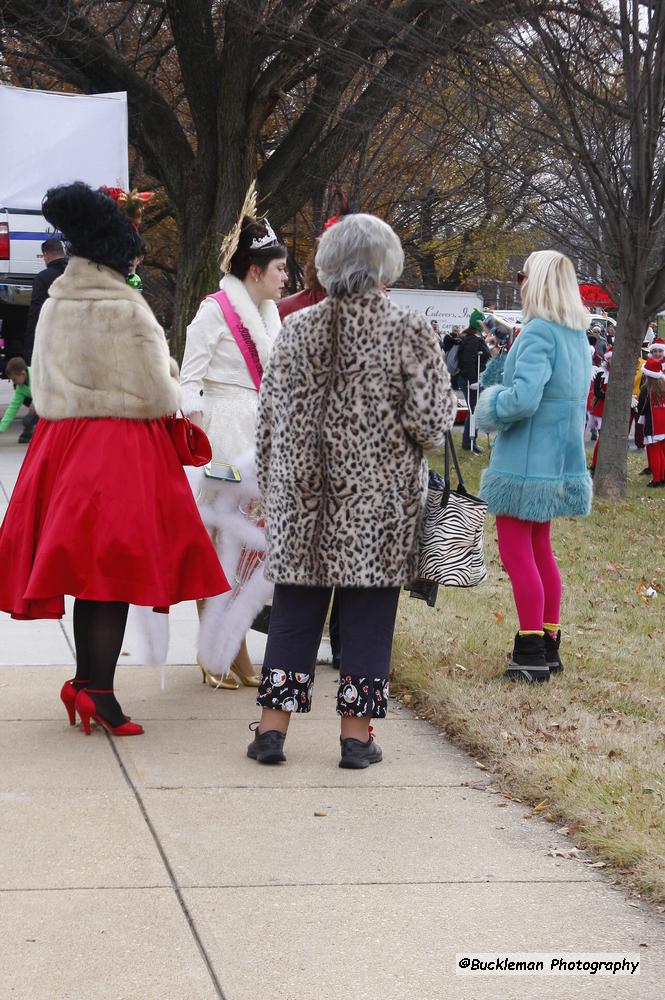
[538,470]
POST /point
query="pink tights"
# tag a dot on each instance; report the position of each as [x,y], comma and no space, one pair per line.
[526,553]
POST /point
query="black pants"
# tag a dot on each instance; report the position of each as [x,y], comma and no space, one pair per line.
[29,422]
[471,397]
[366,626]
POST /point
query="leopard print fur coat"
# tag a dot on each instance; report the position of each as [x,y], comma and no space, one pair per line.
[355,390]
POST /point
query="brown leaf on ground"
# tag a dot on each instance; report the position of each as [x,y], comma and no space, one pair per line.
[541,806]
[320,814]
[480,766]
[499,617]
[563,852]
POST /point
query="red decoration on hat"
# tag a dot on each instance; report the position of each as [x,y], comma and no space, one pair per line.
[343,210]
[131,202]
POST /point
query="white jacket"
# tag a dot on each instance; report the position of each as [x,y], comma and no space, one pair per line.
[212,358]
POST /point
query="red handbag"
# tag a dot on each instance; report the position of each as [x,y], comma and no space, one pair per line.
[189,440]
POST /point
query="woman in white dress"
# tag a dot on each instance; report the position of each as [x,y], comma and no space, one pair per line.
[227,348]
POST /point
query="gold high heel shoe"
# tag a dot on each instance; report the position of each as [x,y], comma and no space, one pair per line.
[249,680]
[229,683]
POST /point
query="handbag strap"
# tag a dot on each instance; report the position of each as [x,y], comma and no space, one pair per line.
[242,337]
[449,449]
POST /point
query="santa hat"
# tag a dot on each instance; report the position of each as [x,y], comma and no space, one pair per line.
[657,345]
[653,368]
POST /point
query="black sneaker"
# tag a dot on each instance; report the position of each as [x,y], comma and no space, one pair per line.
[24,438]
[646,472]
[552,657]
[268,747]
[528,661]
[357,754]
[476,450]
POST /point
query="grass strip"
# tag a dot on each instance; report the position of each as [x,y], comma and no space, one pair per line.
[589,747]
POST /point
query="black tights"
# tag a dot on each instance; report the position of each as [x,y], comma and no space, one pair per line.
[99,629]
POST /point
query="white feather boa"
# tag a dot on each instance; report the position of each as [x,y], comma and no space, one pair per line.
[228,617]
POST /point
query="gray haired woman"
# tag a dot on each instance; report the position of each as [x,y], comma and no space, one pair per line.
[355,391]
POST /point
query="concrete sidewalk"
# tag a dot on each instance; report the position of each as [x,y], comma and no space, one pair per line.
[171,867]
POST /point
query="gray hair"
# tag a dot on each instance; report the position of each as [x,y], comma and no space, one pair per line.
[358,253]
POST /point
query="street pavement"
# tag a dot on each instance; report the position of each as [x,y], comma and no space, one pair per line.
[171,867]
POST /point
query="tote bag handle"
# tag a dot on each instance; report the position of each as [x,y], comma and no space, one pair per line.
[449,450]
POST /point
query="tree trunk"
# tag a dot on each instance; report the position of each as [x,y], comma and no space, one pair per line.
[198,276]
[611,477]
[202,226]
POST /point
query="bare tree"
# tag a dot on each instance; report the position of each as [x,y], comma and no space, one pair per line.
[219,88]
[593,76]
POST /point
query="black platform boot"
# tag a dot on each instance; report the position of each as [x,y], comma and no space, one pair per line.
[552,657]
[528,661]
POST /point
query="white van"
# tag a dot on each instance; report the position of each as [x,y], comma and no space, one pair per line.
[22,232]
[446,309]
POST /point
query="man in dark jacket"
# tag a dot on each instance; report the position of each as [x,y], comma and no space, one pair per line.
[472,358]
[56,262]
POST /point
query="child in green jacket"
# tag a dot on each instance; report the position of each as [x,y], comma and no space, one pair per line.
[17,370]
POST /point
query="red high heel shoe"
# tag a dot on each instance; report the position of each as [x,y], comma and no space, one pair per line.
[87,709]
[68,698]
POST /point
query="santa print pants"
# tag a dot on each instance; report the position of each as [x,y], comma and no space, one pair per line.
[656,459]
[526,553]
[366,626]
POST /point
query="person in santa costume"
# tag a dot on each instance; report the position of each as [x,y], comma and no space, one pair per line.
[102,509]
[653,412]
[599,391]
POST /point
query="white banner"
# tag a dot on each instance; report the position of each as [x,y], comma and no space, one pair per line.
[53,138]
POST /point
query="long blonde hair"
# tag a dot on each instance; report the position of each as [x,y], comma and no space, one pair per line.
[551,292]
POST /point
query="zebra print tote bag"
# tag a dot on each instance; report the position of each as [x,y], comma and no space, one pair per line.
[452,547]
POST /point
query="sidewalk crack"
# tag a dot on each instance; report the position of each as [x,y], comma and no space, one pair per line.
[169,871]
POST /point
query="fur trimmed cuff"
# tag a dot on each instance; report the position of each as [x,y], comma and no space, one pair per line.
[536,499]
[363,696]
[191,398]
[174,371]
[285,691]
[487,418]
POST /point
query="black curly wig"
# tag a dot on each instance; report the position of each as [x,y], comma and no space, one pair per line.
[92,226]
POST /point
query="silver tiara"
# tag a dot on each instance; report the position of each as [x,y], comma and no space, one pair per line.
[263,241]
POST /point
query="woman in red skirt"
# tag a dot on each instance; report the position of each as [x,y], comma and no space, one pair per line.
[102,509]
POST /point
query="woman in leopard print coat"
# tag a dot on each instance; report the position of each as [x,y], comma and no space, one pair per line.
[355,391]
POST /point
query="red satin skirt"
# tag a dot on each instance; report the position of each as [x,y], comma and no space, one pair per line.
[102,510]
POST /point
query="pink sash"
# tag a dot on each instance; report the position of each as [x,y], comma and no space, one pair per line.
[242,337]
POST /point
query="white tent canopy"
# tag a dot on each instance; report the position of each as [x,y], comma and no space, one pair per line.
[53,138]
